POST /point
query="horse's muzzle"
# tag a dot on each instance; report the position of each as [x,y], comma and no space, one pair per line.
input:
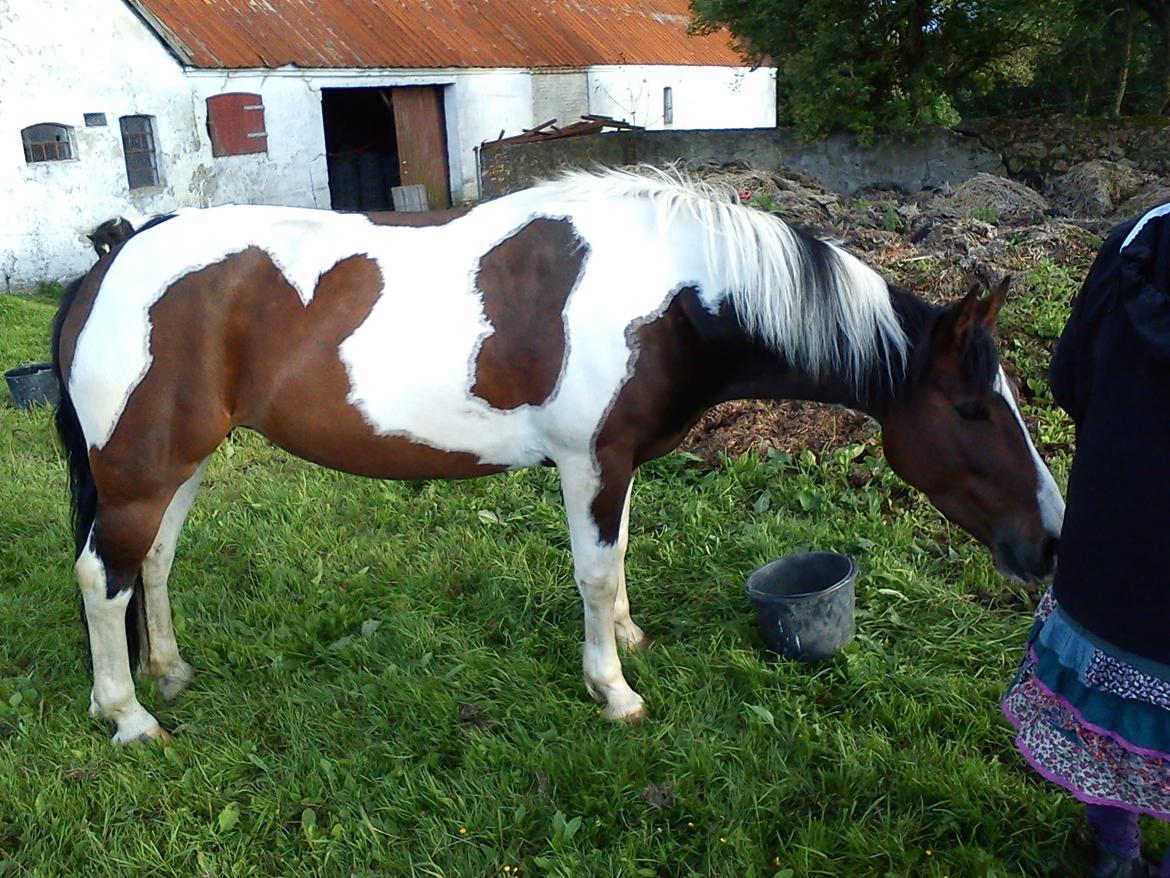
[1027,561]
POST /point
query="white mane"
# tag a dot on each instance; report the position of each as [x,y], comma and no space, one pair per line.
[830,313]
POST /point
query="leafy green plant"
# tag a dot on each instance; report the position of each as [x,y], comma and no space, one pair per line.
[764,201]
[891,219]
[986,213]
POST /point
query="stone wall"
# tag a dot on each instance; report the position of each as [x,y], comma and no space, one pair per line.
[1036,150]
[939,158]
[1033,150]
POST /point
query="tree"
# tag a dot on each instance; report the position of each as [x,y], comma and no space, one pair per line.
[885,65]
[1159,13]
[1100,59]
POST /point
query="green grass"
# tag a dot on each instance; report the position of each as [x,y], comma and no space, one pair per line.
[389,683]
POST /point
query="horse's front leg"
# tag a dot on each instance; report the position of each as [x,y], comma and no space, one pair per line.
[628,634]
[594,507]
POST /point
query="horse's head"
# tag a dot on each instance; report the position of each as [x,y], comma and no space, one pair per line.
[954,432]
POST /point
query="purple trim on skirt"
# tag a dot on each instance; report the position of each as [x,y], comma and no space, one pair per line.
[1092,727]
[1079,760]
[1080,796]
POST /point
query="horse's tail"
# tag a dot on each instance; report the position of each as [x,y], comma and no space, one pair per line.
[82,487]
[82,490]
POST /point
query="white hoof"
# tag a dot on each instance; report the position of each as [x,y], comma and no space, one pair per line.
[158,733]
[626,712]
[173,682]
[137,728]
[630,637]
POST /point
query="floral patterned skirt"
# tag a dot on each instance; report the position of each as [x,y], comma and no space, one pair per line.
[1092,718]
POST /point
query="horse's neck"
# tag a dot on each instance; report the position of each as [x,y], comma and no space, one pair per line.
[762,374]
[749,369]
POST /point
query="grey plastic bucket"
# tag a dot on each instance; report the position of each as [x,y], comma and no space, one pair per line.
[33,384]
[804,603]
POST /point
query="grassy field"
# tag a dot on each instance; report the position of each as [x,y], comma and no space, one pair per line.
[389,678]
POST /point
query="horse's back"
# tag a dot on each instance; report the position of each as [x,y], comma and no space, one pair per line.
[495,339]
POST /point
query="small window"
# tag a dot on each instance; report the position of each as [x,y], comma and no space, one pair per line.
[48,143]
[668,106]
[141,150]
[235,123]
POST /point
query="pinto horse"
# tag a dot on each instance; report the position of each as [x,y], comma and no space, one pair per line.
[585,324]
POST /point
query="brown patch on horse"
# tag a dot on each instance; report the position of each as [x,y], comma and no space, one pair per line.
[525,282]
[416,218]
[292,357]
[78,314]
[233,345]
[670,386]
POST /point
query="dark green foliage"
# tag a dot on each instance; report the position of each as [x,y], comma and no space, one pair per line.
[898,65]
[888,66]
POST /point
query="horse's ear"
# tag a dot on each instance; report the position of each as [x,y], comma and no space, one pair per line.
[975,309]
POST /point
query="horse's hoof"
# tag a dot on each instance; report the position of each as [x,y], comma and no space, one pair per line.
[632,713]
[173,682]
[635,643]
[126,737]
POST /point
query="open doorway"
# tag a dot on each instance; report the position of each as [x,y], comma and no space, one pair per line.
[379,138]
[361,147]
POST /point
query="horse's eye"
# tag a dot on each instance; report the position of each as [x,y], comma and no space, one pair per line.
[973,411]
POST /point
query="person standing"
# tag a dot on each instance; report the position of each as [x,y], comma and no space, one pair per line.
[1091,702]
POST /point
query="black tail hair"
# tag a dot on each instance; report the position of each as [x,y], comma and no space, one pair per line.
[82,488]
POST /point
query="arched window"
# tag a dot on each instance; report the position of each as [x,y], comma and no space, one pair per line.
[140,146]
[47,142]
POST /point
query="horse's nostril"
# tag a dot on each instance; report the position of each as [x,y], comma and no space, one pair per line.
[1048,552]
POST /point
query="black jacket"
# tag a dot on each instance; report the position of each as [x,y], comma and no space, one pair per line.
[1111,372]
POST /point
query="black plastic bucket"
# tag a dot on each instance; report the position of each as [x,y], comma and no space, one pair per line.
[804,603]
[33,384]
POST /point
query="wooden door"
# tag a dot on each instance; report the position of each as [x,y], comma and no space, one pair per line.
[421,131]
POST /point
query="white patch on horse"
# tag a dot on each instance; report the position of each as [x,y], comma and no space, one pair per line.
[1047,492]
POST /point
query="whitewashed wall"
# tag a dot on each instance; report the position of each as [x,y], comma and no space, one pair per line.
[479,104]
[57,63]
[704,97]
[559,94]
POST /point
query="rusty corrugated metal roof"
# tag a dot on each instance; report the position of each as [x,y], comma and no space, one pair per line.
[431,33]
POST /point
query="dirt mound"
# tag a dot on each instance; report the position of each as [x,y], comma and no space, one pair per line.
[753,425]
[991,199]
[1153,193]
[1094,189]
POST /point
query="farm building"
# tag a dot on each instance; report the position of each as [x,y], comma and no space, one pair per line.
[138,107]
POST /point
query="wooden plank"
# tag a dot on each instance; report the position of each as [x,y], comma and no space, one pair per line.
[410,198]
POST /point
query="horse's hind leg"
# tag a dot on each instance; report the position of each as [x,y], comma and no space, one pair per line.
[164,661]
[628,634]
[107,570]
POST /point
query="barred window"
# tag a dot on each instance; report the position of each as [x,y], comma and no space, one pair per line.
[47,142]
[141,150]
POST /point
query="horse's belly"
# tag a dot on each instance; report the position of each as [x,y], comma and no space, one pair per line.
[314,417]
